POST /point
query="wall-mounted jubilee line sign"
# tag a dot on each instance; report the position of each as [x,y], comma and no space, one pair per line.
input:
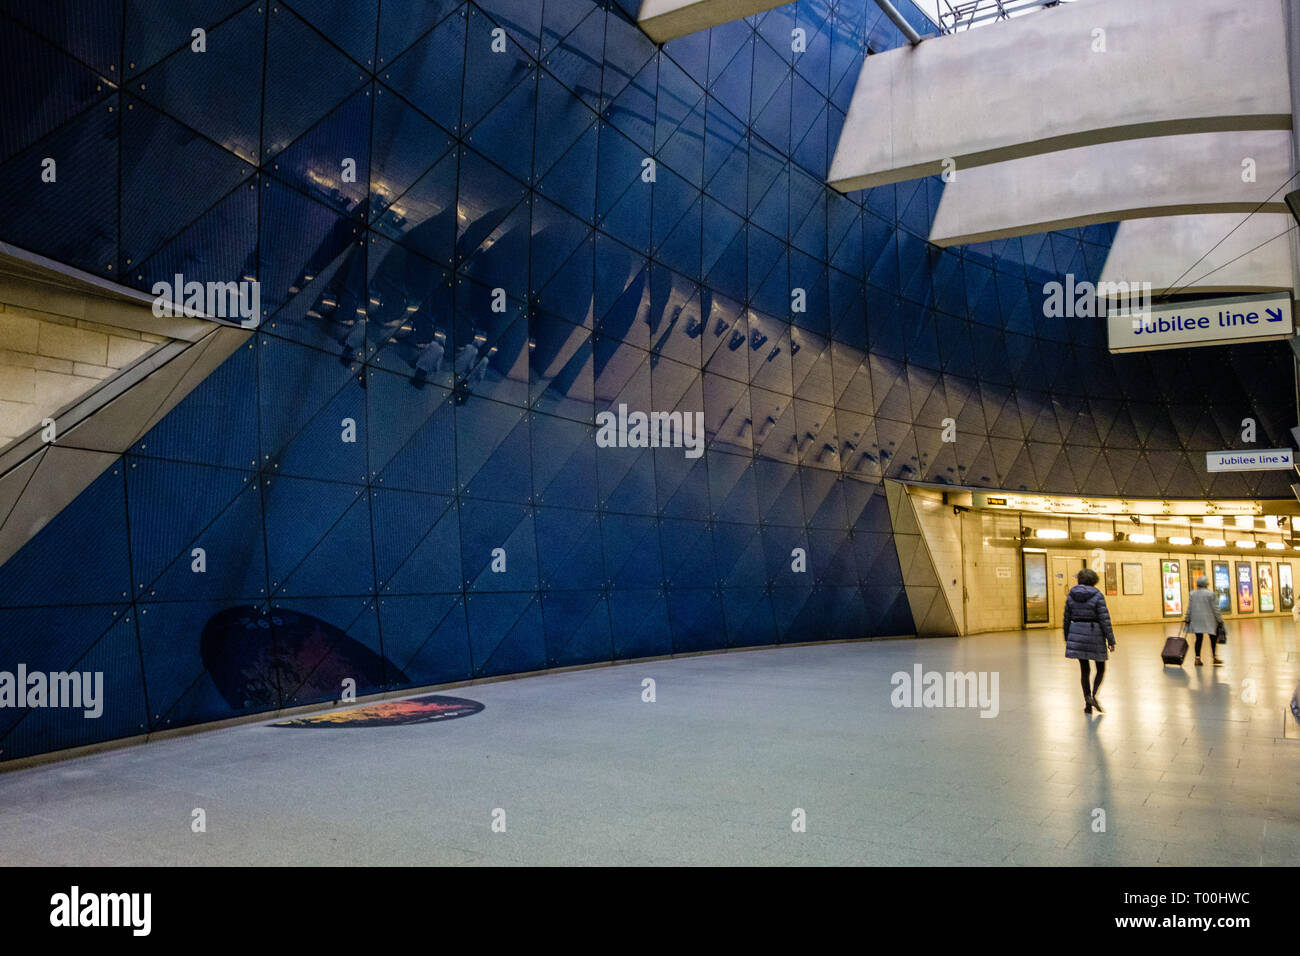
[1210,322]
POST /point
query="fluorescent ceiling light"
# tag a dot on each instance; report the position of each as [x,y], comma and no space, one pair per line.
[1142,538]
[1215,543]
[1275,545]
[1180,540]
[1051,533]
[1244,544]
[1098,536]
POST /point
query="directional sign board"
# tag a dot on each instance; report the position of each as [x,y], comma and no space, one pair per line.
[1209,322]
[1255,459]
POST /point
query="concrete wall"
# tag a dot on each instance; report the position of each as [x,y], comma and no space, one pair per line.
[976,557]
[968,551]
[1037,84]
[929,589]
[664,20]
[48,360]
[992,572]
[941,530]
[1145,608]
[1181,252]
[1160,176]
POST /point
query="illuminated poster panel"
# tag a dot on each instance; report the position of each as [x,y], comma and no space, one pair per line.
[1171,586]
[1223,586]
[1035,578]
[1245,589]
[1195,569]
[1266,604]
[1285,589]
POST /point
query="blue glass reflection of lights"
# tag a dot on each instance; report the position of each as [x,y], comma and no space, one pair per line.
[498,271]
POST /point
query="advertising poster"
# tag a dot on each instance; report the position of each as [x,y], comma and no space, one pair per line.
[1131,576]
[1171,587]
[1035,587]
[1223,586]
[1195,570]
[1266,604]
[1112,578]
[1245,589]
[1285,591]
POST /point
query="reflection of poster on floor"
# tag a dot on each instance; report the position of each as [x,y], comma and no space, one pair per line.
[1245,589]
[1285,592]
[1223,585]
[1265,588]
[1171,586]
[1112,580]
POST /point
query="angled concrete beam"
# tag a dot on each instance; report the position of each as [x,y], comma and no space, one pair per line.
[1161,251]
[42,479]
[665,20]
[1044,82]
[1135,179]
[36,282]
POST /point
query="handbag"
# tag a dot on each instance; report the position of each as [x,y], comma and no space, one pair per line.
[1221,634]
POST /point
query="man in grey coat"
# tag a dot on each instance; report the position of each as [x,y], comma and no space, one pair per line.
[1203,617]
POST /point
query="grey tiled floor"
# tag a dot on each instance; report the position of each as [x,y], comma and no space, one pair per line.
[1188,772]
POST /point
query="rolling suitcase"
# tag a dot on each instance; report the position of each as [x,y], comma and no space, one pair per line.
[1175,651]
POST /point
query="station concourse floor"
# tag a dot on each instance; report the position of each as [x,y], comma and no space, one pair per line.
[1188,771]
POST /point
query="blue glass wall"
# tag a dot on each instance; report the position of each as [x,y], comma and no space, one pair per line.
[522,171]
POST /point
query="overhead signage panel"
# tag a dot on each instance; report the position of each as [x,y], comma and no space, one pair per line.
[1045,504]
[1261,459]
[1210,322]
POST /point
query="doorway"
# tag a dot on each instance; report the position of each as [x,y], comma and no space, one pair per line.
[1063,571]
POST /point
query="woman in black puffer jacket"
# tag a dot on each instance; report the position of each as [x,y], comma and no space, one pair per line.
[1088,633]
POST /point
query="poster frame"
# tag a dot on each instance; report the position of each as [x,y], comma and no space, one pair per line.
[1171,570]
[1245,588]
[1131,576]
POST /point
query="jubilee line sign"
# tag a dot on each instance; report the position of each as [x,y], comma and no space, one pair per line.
[1255,459]
[1210,322]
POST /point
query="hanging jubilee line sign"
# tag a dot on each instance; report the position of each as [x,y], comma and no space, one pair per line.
[1211,322]
[1259,459]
